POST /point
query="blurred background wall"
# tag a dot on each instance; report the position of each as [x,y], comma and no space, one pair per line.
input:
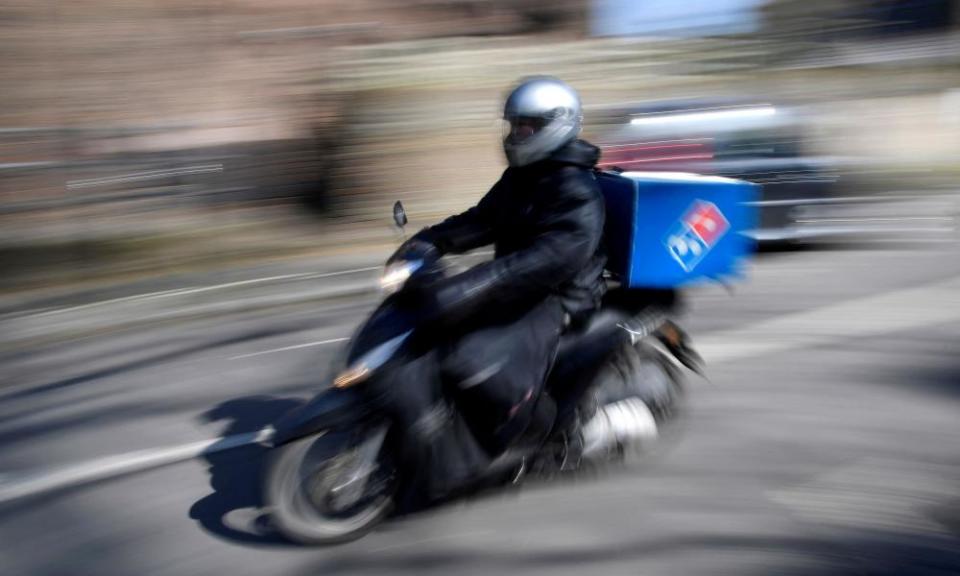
[149,118]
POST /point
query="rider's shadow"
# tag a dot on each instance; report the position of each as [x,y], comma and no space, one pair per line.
[234,510]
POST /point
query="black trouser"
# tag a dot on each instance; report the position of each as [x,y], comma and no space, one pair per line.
[493,369]
[496,370]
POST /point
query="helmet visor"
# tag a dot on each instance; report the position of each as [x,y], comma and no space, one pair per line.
[518,129]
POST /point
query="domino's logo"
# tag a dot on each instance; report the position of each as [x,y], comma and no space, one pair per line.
[695,234]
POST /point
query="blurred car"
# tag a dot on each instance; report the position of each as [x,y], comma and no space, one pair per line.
[757,142]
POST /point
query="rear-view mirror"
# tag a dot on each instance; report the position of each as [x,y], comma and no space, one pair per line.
[399,215]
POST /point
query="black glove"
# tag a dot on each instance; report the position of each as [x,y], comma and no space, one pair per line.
[418,289]
[415,249]
[422,293]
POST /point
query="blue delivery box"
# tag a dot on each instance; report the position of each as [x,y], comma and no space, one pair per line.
[666,230]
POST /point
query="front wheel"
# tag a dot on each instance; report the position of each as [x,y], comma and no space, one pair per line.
[332,488]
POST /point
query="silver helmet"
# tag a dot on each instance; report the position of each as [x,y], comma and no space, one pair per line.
[541,115]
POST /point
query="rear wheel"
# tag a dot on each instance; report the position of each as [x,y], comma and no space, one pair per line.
[332,488]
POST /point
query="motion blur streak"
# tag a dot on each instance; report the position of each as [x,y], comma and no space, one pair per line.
[119,465]
[294,347]
[903,310]
[195,205]
[730,114]
[914,308]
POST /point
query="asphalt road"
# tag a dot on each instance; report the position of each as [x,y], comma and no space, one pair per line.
[826,442]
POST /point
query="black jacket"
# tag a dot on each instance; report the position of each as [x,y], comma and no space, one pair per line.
[546,223]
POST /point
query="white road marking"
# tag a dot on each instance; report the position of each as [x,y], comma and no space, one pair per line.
[39,313]
[294,347]
[113,466]
[895,311]
[42,312]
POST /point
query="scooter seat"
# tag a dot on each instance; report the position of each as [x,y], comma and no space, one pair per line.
[584,347]
[597,328]
[587,345]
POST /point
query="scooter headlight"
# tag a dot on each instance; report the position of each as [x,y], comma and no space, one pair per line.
[396,274]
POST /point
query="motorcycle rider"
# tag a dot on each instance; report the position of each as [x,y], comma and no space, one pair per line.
[502,319]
